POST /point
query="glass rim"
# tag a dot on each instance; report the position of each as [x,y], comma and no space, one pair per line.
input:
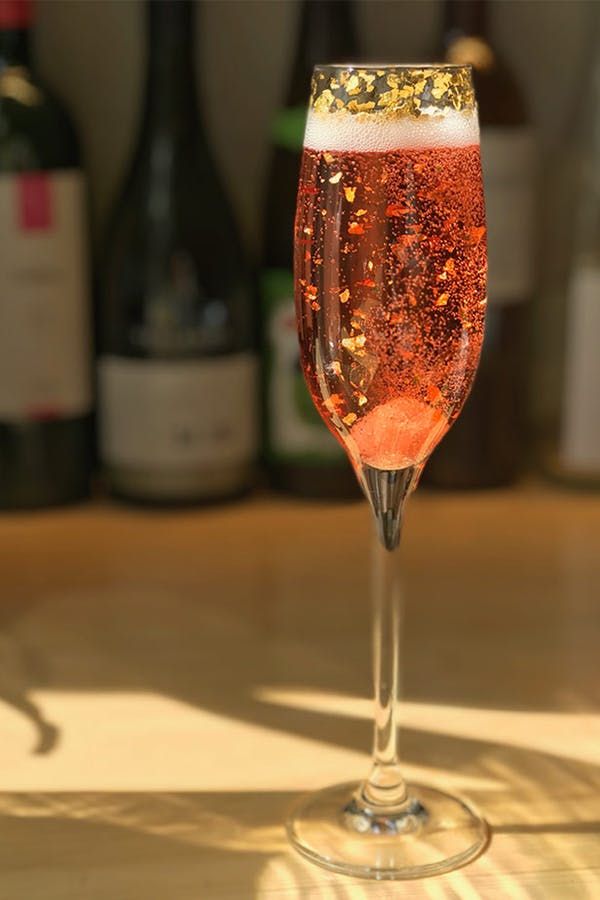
[391,67]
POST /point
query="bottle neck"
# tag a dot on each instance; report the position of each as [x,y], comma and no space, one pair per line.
[465,17]
[327,34]
[171,108]
[14,47]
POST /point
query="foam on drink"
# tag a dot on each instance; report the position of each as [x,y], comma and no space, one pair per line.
[372,132]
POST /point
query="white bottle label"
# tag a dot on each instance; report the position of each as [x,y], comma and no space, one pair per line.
[44,306]
[178,414]
[580,436]
[296,432]
[507,157]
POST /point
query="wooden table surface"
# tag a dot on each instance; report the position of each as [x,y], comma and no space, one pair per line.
[170,682]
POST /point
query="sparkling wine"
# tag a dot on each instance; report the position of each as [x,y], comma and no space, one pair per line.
[391,281]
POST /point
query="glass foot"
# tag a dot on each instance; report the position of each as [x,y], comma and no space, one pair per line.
[432,833]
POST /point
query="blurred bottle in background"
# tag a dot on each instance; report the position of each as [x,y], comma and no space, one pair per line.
[488,444]
[177,373]
[568,392]
[45,348]
[302,457]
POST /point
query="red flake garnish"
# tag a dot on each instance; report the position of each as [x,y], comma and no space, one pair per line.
[366,282]
[434,395]
[396,209]
[355,228]
[475,234]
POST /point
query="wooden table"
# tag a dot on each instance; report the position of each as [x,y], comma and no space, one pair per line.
[169,682]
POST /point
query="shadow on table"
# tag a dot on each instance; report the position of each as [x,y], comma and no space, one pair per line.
[203,846]
[125,621]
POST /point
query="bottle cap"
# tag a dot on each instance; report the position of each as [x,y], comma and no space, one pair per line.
[15,14]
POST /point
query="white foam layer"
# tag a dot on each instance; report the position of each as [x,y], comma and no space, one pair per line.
[370,132]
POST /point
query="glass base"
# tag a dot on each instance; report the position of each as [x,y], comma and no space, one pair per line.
[431,833]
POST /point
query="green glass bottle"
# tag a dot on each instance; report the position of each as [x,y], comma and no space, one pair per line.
[301,456]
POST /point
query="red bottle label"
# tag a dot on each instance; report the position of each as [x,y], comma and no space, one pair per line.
[44,314]
[15,14]
[34,202]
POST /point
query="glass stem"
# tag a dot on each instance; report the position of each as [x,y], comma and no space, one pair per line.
[385,786]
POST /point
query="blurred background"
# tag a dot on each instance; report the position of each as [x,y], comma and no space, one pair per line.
[189,130]
[170,677]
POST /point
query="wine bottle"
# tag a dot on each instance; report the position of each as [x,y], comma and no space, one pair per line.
[568,389]
[45,345]
[300,454]
[177,373]
[487,445]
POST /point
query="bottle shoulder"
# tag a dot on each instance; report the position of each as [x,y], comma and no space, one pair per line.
[36,132]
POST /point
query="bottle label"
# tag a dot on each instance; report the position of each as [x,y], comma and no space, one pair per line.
[178,414]
[296,432]
[580,433]
[507,156]
[44,297]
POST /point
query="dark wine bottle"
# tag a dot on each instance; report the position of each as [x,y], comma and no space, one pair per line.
[177,373]
[567,386]
[300,454]
[487,445]
[45,343]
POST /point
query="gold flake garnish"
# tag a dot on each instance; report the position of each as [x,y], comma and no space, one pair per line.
[393,92]
[350,194]
[360,212]
[353,85]
[355,107]
[336,368]
[362,400]
[350,419]
[335,178]
[442,299]
[352,344]
[344,296]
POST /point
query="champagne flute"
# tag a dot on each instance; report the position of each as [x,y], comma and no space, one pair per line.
[390,284]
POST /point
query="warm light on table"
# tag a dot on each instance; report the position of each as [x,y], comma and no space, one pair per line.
[186,675]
